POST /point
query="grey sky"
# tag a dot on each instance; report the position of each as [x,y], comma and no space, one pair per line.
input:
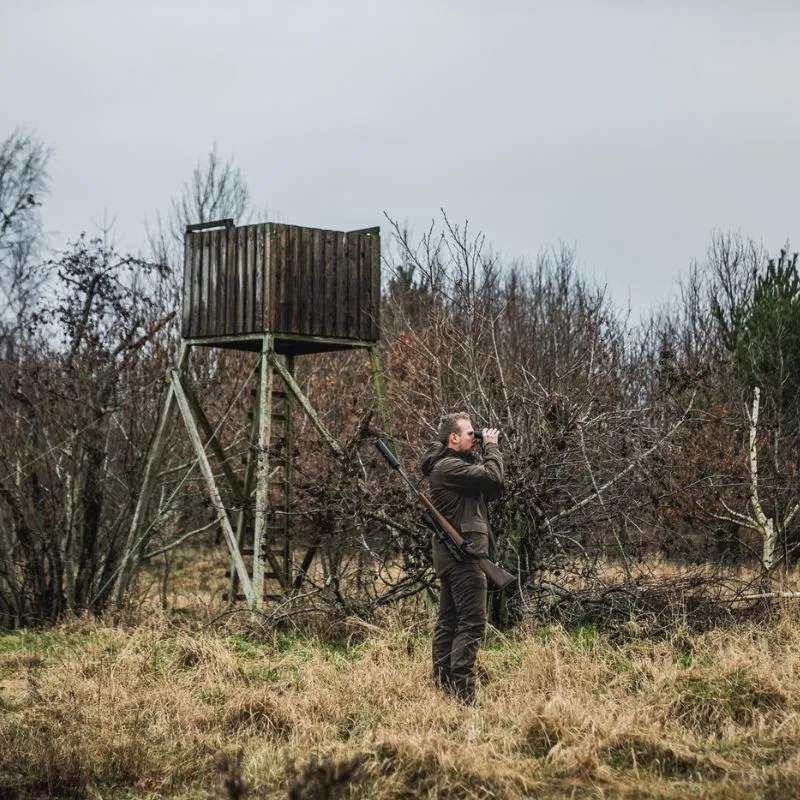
[631,129]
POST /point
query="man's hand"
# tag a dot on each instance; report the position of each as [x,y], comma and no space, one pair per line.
[472,550]
[491,435]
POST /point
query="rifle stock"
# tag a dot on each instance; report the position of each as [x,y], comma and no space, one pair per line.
[495,573]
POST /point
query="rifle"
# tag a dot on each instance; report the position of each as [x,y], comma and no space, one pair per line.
[454,541]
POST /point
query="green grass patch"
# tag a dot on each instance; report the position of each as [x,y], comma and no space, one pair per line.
[214,697]
[162,656]
[246,648]
[585,637]
[684,660]
[47,641]
[345,648]
[266,674]
[298,645]
[709,700]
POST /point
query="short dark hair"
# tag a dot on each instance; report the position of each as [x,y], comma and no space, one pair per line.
[449,424]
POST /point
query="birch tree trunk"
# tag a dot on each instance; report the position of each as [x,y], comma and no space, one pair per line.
[765,525]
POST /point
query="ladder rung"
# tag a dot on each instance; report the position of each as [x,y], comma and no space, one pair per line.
[274,597]
[279,393]
[277,528]
[269,576]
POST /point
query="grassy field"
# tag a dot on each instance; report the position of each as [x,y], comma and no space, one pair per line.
[166,709]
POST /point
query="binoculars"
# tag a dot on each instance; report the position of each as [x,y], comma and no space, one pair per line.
[479,434]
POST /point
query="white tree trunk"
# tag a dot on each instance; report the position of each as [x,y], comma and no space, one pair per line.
[764,524]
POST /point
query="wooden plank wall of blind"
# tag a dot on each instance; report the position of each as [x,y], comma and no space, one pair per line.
[280,278]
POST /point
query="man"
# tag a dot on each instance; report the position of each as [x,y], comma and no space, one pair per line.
[460,484]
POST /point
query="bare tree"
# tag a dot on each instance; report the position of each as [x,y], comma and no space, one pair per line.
[24,182]
[72,433]
[215,190]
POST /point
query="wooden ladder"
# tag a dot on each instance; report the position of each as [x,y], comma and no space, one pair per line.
[263,523]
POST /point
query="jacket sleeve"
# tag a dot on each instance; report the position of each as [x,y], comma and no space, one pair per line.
[487,477]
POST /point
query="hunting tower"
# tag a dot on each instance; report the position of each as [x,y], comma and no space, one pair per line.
[279,291]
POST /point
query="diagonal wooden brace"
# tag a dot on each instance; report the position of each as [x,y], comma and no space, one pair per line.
[185,407]
[211,440]
[295,389]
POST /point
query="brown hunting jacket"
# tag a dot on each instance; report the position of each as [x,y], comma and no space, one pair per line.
[461,484]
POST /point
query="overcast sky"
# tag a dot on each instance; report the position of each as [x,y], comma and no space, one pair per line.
[629,129]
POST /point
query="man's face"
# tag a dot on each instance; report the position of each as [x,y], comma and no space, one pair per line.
[464,438]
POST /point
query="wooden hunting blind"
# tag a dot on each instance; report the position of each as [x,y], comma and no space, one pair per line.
[281,279]
[280,291]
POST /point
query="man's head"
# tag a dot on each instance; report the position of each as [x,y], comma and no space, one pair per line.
[456,432]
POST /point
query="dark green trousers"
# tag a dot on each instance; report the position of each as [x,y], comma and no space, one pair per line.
[459,628]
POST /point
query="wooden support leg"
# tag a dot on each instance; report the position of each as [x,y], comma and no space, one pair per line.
[133,545]
[379,384]
[263,414]
[244,518]
[288,477]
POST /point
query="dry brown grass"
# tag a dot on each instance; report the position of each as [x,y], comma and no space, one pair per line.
[93,710]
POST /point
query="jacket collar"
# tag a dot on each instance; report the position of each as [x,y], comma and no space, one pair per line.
[465,455]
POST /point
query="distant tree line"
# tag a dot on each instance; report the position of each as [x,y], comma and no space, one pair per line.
[647,460]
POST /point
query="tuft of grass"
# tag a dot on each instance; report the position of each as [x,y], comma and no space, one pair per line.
[585,637]
[710,700]
[662,759]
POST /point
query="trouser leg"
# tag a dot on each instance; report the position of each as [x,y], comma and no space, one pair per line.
[468,591]
[443,635]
